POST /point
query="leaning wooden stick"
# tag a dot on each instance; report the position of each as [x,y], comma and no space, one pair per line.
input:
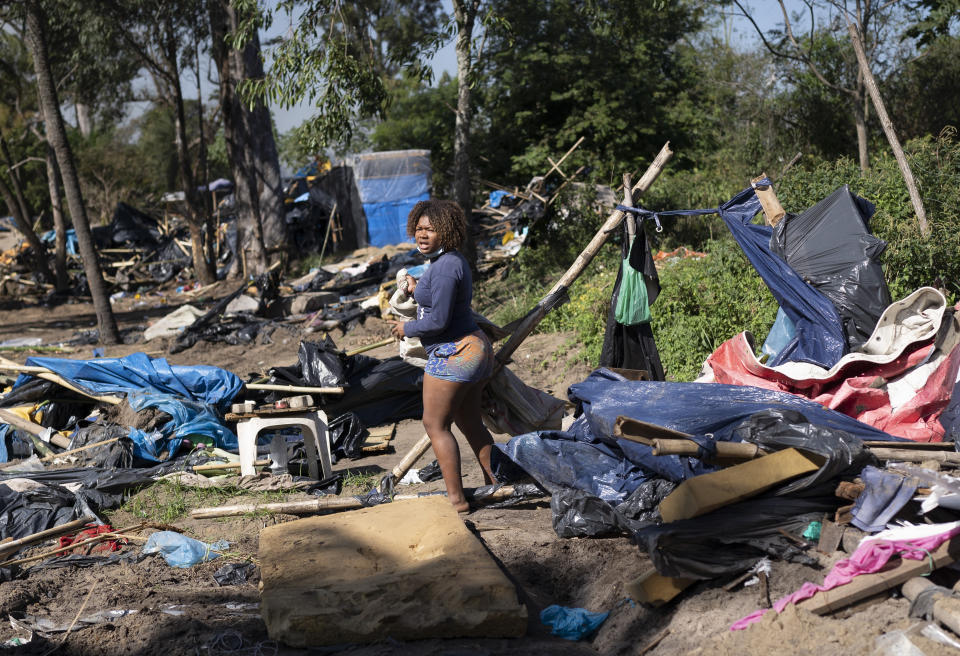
[31,428]
[535,316]
[85,447]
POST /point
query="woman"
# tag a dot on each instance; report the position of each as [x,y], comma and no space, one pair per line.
[460,356]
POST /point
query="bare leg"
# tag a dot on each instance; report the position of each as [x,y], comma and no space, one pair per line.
[440,399]
[468,419]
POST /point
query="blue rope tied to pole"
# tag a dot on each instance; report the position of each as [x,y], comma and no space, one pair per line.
[655,216]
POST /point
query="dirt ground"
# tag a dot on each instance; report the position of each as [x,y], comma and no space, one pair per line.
[184,611]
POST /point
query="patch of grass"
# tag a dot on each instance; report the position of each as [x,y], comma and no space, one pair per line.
[360,481]
[168,500]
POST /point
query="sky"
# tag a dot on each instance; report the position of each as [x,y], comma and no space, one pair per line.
[766,12]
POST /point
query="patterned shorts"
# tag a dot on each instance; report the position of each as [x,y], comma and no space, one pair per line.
[466,360]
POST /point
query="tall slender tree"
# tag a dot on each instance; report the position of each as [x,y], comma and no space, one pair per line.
[57,138]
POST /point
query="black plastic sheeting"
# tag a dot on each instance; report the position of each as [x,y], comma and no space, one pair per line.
[831,247]
[129,226]
[577,514]
[377,391]
[774,430]
[346,436]
[731,539]
[633,347]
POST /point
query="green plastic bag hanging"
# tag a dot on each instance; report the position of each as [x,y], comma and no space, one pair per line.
[633,305]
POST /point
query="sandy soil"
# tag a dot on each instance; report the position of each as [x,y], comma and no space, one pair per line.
[184,611]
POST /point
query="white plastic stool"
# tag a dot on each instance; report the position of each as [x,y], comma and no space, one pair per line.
[316,441]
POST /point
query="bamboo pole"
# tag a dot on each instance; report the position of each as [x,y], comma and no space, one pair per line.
[888,129]
[535,316]
[85,447]
[556,165]
[295,388]
[322,504]
[370,347]
[7,548]
[219,466]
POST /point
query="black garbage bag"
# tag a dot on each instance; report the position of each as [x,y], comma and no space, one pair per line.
[831,247]
[117,454]
[380,391]
[580,514]
[430,473]
[234,573]
[346,436]
[776,429]
[320,364]
[731,539]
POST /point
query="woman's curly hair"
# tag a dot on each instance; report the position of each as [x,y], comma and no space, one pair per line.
[447,219]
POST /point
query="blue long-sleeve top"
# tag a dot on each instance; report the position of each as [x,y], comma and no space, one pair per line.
[443,295]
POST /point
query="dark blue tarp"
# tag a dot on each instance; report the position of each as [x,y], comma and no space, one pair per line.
[819,337]
[589,458]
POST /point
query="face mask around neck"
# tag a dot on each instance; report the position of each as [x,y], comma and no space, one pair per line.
[434,254]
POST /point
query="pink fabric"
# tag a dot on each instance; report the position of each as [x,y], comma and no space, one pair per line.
[869,557]
[851,390]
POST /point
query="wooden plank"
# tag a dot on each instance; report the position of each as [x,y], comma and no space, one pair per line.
[867,585]
[702,494]
[655,589]
[831,535]
[378,439]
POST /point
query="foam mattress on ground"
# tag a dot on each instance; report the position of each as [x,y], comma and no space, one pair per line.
[406,570]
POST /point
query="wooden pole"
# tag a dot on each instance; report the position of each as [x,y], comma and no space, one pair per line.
[327,235]
[370,347]
[85,447]
[323,504]
[888,130]
[31,428]
[14,545]
[556,165]
[529,322]
[773,211]
[294,388]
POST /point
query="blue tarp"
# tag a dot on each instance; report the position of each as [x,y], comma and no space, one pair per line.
[192,395]
[390,184]
[139,373]
[50,236]
[387,221]
[819,337]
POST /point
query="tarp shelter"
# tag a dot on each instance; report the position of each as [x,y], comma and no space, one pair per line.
[390,184]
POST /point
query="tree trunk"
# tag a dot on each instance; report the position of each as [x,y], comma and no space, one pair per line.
[250,144]
[202,267]
[57,138]
[39,260]
[465,13]
[84,120]
[59,222]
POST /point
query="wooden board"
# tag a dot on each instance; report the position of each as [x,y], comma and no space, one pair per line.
[268,411]
[702,494]
[378,439]
[655,589]
[897,572]
[403,571]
